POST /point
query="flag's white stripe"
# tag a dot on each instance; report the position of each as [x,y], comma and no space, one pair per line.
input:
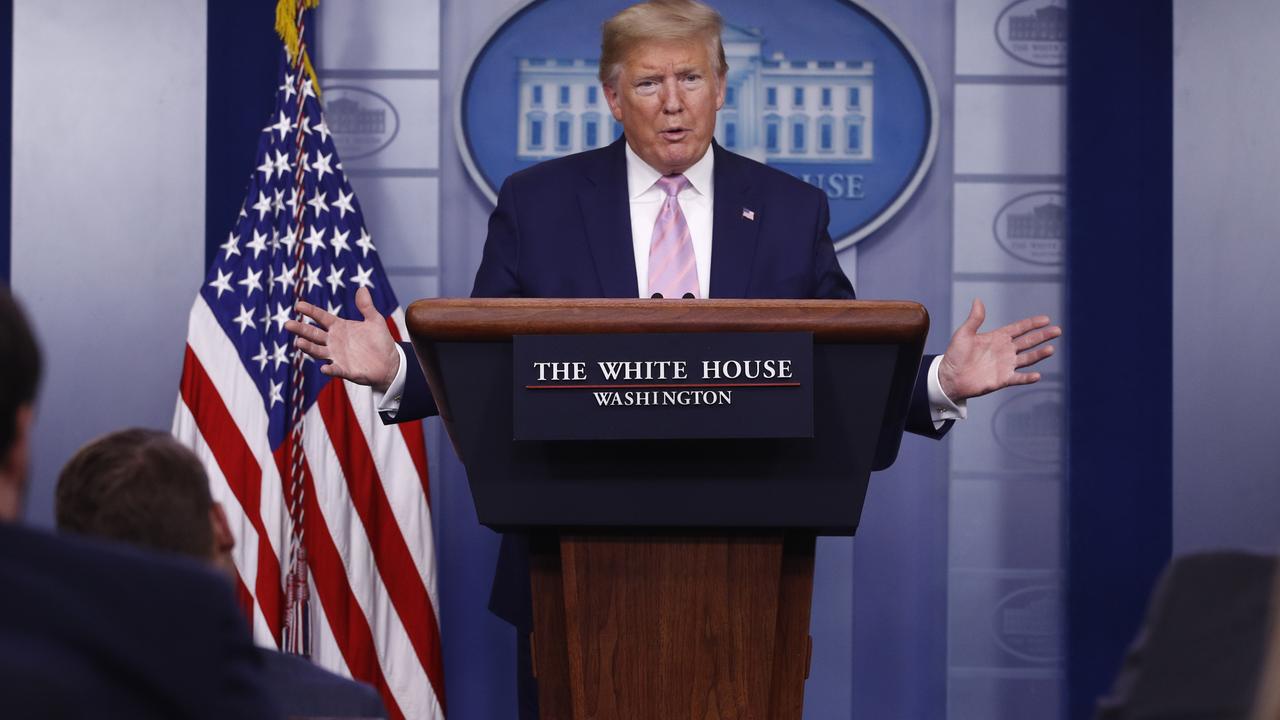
[324,646]
[401,483]
[226,371]
[424,553]
[245,553]
[405,675]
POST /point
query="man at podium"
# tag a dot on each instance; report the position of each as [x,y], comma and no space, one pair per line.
[664,212]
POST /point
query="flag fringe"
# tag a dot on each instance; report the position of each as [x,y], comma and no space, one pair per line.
[287,29]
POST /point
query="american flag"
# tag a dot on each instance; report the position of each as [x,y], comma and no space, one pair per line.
[298,459]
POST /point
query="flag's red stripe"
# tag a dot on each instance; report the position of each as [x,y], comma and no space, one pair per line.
[243,474]
[346,619]
[390,552]
[412,432]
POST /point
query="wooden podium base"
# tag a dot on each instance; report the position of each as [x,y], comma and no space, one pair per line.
[671,626]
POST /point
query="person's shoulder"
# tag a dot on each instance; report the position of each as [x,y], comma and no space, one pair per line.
[558,170]
[302,687]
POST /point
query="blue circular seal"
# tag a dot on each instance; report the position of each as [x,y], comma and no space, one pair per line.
[828,91]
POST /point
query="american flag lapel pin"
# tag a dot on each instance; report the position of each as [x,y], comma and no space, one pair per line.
[749,214]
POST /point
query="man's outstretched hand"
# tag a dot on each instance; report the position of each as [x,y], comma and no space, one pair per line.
[979,363]
[362,352]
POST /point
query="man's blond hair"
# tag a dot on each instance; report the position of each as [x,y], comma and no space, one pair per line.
[662,21]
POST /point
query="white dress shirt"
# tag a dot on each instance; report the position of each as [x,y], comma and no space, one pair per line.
[696,202]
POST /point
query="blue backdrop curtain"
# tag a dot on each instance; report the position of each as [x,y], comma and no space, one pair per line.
[1120,303]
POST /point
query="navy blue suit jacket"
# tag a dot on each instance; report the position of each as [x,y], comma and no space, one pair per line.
[305,689]
[562,229]
[90,630]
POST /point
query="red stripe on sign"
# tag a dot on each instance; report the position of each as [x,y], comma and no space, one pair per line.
[347,621]
[412,431]
[390,552]
[243,474]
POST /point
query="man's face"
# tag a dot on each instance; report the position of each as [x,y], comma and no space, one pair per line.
[666,97]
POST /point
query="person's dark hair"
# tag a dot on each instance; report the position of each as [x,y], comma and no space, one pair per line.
[141,487]
[19,367]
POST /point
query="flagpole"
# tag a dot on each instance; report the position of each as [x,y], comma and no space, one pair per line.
[297,631]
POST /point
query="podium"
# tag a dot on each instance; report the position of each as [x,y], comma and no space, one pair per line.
[672,578]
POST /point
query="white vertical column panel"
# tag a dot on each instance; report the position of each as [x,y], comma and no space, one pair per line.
[108,210]
[1226,275]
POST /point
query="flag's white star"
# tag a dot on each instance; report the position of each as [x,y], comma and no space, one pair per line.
[323,128]
[286,279]
[263,206]
[252,281]
[281,316]
[282,126]
[343,203]
[307,90]
[266,168]
[232,245]
[287,87]
[222,283]
[334,310]
[313,277]
[257,244]
[261,357]
[278,356]
[265,317]
[365,243]
[275,239]
[276,394]
[321,165]
[271,277]
[339,242]
[314,240]
[306,126]
[245,319]
[282,164]
[289,239]
[335,279]
[277,201]
[294,198]
[317,203]
[362,277]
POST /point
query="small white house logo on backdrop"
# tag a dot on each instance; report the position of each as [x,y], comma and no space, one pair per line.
[362,121]
[1033,228]
[1028,425]
[1034,32]
[1025,624]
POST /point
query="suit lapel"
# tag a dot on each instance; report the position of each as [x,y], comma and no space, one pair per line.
[733,233]
[606,217]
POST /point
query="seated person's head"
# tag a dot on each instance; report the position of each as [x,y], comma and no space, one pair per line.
[19,376]
[145,488]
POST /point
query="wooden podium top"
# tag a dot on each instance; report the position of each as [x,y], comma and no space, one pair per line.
[489,319]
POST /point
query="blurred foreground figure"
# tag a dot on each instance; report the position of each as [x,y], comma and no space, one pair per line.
[97,631]
[145,488]
[1200,652]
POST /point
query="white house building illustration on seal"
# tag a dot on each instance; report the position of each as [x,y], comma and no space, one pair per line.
[775,109]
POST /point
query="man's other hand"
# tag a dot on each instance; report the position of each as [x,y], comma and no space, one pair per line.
[360,351]
[979,363]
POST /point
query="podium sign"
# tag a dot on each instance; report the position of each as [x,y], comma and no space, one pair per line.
[663,386]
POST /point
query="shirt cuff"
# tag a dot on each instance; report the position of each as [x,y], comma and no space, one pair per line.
[941,407]
[389,402]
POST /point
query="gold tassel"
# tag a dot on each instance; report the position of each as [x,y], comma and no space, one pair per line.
[286,17]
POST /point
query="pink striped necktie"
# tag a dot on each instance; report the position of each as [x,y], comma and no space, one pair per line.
[672,268]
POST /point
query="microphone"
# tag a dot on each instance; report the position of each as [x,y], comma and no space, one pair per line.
[656,296]
[687,296]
